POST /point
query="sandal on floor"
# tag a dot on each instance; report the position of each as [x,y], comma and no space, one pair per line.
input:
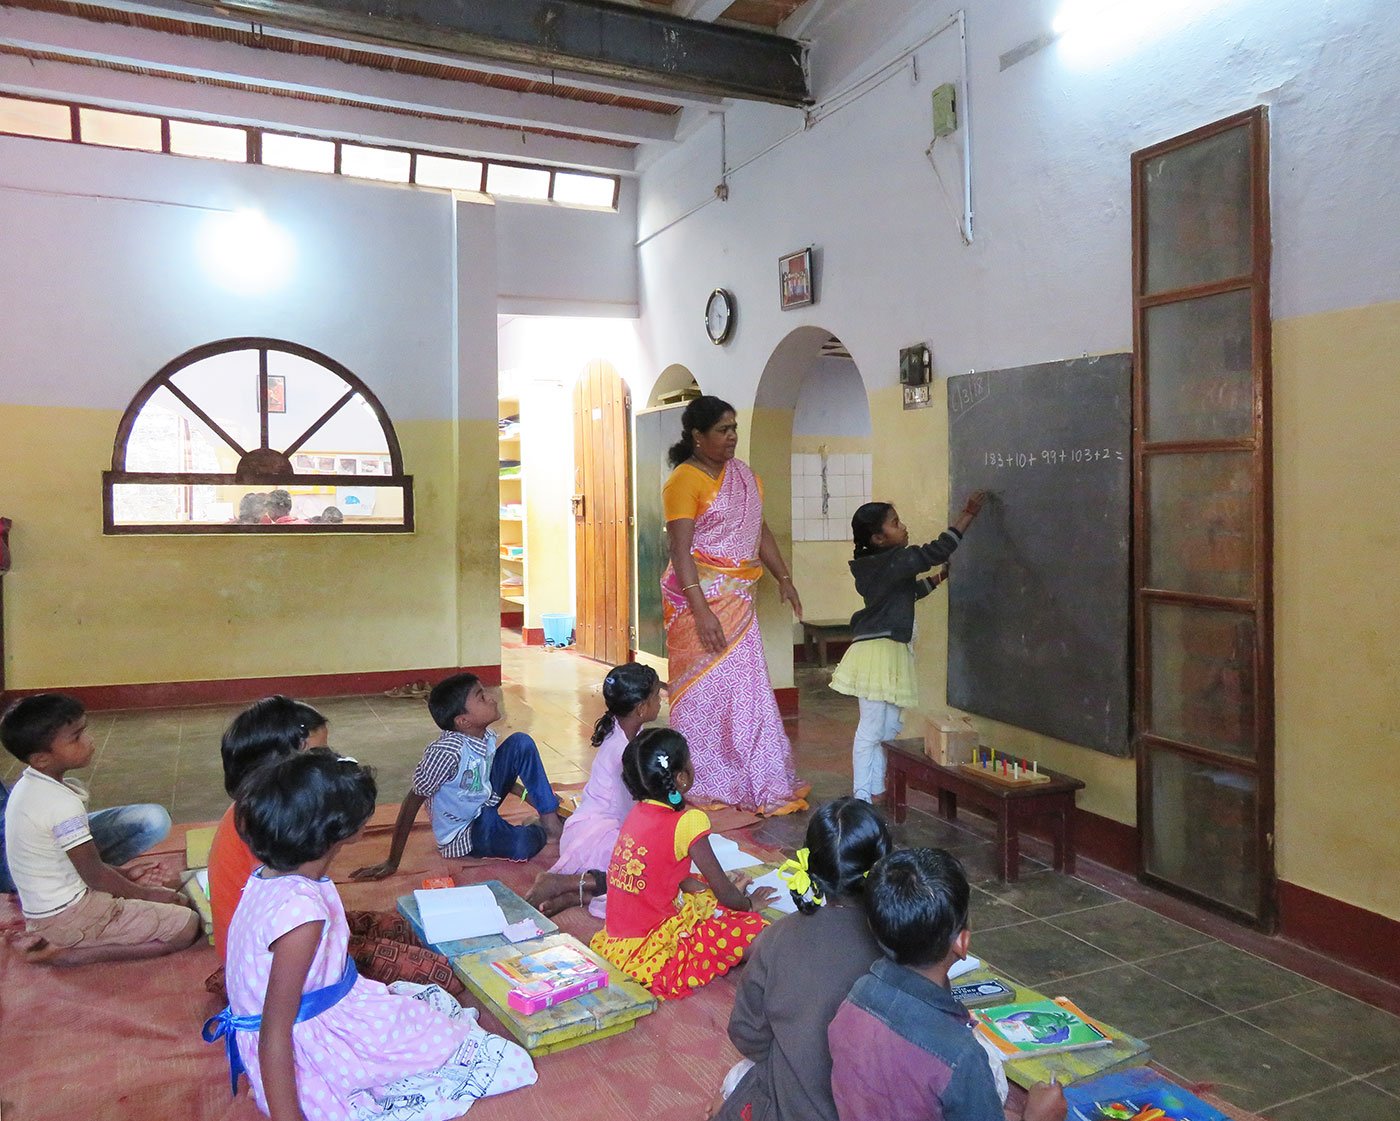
[402,692]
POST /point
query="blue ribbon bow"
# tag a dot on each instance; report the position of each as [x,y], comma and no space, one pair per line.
[226,1025]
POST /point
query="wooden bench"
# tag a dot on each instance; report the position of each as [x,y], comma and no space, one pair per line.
[1010,806]
[816,633]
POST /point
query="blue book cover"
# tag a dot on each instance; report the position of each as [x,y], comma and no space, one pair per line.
[1137,1094]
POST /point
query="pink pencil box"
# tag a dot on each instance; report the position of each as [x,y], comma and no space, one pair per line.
[536,996]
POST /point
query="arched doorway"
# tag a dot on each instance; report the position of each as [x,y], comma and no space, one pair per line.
[811,443]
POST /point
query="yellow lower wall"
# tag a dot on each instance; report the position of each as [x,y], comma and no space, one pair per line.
[1337,603]
[84,609]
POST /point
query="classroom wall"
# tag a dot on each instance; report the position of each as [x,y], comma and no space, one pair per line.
[1048,276]
[107,277]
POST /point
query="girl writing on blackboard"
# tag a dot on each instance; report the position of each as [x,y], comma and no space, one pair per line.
[878,668]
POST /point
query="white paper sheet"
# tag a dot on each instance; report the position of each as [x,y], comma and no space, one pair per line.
[967,965]
[729,855]
[784,901]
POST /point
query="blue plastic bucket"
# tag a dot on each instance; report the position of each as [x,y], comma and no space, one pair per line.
[558,630]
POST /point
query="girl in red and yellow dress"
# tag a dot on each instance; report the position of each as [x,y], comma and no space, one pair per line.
[671,947]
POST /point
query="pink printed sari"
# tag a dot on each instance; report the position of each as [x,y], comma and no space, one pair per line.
[723,703]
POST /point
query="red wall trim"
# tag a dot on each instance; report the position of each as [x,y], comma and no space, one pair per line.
[534,636]
[512,618]
[1349,933]
[167,694]
[787,701]
[1106,841]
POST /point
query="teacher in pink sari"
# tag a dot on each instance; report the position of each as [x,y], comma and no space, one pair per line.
[720,694]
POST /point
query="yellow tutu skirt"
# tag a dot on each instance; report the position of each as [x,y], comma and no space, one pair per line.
[878,669]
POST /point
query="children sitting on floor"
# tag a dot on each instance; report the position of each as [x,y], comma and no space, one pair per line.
[464,775]
[382,943]
[900,1044]
[318,1041]
[801,969]
[671,949]
[78,907]
[632,693]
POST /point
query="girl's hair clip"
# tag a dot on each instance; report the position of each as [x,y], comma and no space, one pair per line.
[350,759]
[664,760]
[609,680]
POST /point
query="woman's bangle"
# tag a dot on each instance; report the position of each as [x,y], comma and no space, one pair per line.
[689,586]
[786,577]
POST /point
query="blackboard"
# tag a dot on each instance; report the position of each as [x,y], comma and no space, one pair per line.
[1039,626]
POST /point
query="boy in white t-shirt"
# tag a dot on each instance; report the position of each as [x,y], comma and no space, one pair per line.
[79,908]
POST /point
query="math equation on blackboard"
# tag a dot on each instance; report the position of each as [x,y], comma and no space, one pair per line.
[1050,457]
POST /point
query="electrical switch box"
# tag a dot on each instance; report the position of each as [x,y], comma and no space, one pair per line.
[945,110]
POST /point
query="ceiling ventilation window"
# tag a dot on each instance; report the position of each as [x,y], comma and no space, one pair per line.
[256,436]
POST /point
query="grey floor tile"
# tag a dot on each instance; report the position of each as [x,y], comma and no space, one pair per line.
[1350,1101]
[1356,1037]
[1128,931]
[981,865]
[1226,977]
[1037,954]
[1137,1002]
[1050,893]
[1387,1080]
[987,912]
[1246,1066]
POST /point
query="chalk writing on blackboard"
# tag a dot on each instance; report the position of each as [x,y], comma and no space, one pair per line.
[1051,457]
[967,392]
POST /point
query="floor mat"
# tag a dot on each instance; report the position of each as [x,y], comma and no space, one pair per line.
[136,1025]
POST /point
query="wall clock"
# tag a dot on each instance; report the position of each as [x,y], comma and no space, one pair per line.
[719,316]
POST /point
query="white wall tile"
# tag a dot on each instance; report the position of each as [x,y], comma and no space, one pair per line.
[798,510]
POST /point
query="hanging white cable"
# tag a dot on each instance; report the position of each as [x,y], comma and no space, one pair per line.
[848,95]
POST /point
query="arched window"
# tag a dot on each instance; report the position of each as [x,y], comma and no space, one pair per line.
[256,435]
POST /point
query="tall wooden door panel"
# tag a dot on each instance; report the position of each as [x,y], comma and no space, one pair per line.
[1202,510]
[602,515]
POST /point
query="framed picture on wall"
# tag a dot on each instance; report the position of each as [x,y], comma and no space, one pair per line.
[795,287]
[276,393]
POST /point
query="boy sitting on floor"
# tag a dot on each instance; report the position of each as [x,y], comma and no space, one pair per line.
[78,907]
[900,1044]
[464,775]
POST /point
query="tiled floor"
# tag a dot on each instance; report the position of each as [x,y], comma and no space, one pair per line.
[1269,1038]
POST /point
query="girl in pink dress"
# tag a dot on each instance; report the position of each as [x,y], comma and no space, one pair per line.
[632,693]
[318,1042]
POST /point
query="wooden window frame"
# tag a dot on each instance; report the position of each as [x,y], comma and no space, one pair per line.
[163,379]
[1259,607]
[255,134]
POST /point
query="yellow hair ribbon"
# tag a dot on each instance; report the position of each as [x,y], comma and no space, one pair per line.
[794,873]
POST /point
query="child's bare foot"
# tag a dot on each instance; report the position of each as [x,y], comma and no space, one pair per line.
[553,826]
[553,892]
[35,949]
[547,885]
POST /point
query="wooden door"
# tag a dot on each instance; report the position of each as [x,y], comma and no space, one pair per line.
[602,515]
[1202,505]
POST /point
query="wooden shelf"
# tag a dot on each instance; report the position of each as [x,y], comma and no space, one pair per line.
[512,560]
[518,600]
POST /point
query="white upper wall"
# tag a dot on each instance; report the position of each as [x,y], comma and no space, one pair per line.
[831,401]
[1048,274]
[114,265]
[115,257]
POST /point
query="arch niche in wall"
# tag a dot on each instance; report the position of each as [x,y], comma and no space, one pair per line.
[810,444]
[656,428]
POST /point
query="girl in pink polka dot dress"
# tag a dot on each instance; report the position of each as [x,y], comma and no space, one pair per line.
[318,1042]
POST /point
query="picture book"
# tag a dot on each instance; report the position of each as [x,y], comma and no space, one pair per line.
[546,978]
[1039,1027]
[1137,1094]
